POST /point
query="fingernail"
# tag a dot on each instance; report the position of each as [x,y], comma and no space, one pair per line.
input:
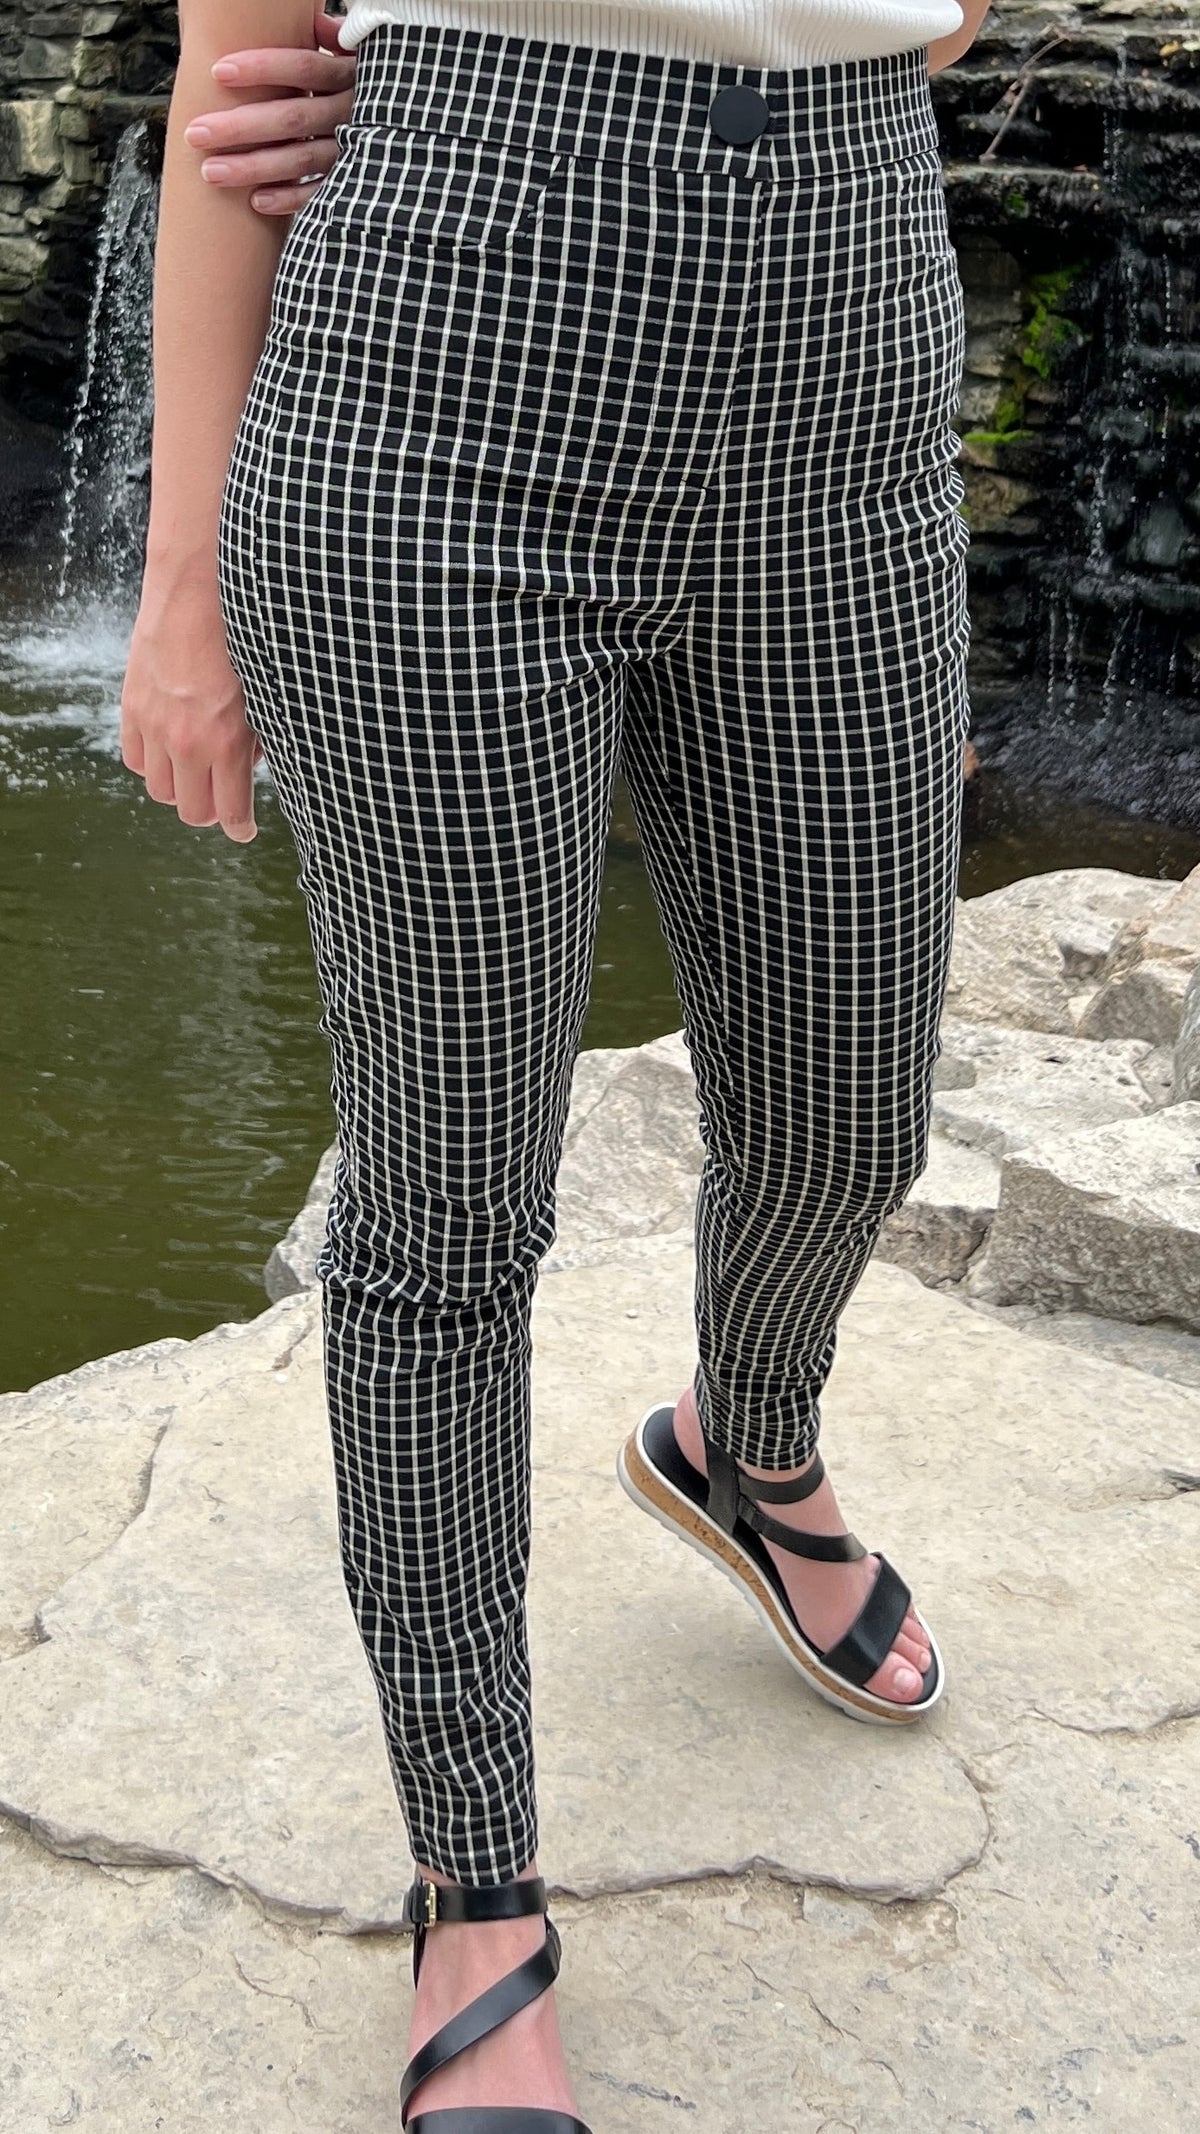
[214,168]
[198,135]
[226,70]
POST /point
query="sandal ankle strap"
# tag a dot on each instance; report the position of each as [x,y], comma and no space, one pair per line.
[728,1502]
[430,1904]
[498,2004]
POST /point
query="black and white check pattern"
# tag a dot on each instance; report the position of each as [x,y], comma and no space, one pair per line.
[580,435]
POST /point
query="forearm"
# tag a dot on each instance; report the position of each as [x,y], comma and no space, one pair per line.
[946,50]
[215,263]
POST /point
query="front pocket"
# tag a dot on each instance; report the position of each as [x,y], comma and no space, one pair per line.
[407,186]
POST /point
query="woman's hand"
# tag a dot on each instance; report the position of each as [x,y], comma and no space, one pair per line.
[282,147]
[183,720]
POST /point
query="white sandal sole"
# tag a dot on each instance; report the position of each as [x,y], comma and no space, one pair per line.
[651,1490]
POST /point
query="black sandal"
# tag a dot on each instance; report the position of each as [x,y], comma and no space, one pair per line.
[721,1521]
[430,1904]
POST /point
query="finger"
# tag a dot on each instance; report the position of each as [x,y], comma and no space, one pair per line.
[284,199]
[285,67]
[233,793]
[272,166]
[133,750]
[283,118]
[160,780]
[194,795]
[327,28]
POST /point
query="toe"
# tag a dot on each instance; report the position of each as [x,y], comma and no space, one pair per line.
[897,1679]
[914,1632]
[914,1650]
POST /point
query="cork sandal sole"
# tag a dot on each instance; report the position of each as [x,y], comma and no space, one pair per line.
[646,1484]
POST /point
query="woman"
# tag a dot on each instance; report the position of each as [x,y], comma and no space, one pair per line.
[598,408]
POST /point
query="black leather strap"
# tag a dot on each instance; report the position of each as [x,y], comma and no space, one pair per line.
[434,1904]
[791,1492]
[728,1501]
[485,2013]
[819,1548]
[727,1486]
[724,1486]
[872,1634]
[496,2119]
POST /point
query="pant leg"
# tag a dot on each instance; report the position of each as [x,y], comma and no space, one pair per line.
[442,732]
[795,762]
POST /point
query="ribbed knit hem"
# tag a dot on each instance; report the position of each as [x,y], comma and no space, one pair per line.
[754,33]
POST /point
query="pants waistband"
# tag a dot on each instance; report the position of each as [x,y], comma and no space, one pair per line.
[643,107]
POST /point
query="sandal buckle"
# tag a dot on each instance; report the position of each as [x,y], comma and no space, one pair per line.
[421,1903]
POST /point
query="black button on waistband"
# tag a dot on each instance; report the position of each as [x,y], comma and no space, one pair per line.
[739,114]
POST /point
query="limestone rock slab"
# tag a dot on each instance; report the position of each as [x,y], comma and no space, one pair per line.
[1104,1221]
[1027,1087]
[1052,1983]
[1185,1078]
[1021,954]
[1145,976]
[74,1470]
[293,1262]
[201,1694]
[190,2010]
[1039,1824]
[946,1217]
[631,1166]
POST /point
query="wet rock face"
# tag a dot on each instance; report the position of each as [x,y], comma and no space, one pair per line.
[1071,138]
[72,77]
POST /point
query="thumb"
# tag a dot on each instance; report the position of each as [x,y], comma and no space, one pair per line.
[327,27]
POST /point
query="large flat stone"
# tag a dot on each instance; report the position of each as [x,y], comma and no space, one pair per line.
[201,1695]
[1053,1983]
[1104,1221]
[74,1470]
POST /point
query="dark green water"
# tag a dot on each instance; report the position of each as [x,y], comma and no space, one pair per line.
[163,1084]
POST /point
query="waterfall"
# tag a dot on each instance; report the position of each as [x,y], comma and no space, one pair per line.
[103,525]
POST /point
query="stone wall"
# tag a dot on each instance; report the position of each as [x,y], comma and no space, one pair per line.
[72,78]
[1077,226]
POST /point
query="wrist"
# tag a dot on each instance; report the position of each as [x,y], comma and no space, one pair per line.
[173,567]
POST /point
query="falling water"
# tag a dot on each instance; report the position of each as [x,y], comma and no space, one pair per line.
[102,535]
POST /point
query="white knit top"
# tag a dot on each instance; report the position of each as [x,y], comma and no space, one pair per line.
[752,33]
